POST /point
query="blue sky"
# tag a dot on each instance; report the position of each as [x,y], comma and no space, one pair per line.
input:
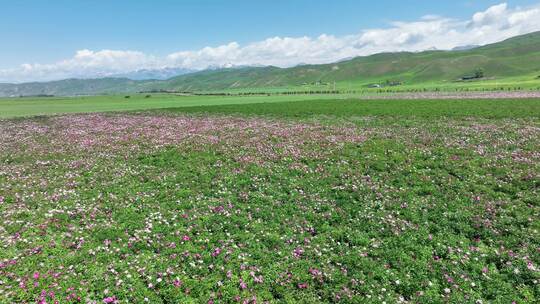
[47,31]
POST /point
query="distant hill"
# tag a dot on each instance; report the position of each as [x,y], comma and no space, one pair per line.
[517,56]
[70,87]
[513,57]
[465,47]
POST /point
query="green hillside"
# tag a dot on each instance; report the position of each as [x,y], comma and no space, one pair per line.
[515,61]
[73,87]
[519,56]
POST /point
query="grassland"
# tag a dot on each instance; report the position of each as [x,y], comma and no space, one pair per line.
[403,109]
[314,201]
[361,87]
[17,107]
[289,105]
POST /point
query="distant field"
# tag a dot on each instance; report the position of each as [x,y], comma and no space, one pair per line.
[291,105]
[499,108]
[529,82]
[17,107]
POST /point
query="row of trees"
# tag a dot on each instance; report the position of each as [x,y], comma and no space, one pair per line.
[381,91]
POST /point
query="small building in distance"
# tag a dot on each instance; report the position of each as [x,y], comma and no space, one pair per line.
[393,83]
[468,78]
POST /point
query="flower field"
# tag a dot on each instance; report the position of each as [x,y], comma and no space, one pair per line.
[191,208]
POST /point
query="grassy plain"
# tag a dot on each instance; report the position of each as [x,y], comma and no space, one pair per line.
[325,201]
[529,82]
[289,105]
[17,107]
[404,109]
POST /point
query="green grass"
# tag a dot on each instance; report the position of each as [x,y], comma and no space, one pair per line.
[290,106]
[17,107]
[361,86]
[497,108]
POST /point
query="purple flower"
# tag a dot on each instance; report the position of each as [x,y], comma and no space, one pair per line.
[216,252]
[297,252]
[243,285]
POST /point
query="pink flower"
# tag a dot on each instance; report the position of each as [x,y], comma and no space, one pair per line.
[216,252]
[297,253]
[36,275]
[186,238]
[110,300]
[256,279]
[302,285]
[177,283]
[243,285]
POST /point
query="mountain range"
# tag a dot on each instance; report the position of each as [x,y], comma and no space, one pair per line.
[154,74]
[518,56]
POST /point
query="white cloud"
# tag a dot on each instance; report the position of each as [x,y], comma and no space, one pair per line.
[84,64]
[494,24]
[491,16]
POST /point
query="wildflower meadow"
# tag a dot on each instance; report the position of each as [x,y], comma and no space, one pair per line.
[232,208]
